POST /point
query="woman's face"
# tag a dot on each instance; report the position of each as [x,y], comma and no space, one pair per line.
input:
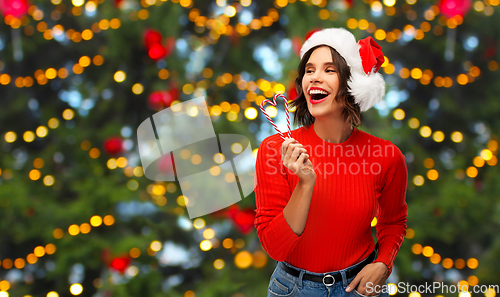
[320,84]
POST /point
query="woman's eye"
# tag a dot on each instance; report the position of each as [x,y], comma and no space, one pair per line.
[309,71]
[330,70]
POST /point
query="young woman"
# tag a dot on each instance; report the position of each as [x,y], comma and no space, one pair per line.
[318,191]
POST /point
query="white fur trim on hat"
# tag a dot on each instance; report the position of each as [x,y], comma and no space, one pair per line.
[367,90]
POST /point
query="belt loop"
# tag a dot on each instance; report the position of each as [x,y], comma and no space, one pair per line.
[344,278]
[302,271]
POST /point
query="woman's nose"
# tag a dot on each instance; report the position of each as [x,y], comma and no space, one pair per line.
[315,77]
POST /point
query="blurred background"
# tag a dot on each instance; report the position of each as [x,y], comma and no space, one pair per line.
[77,78]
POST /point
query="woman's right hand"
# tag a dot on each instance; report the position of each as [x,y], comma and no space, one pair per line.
[296,159]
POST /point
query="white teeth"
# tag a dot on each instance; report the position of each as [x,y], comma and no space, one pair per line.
[318,92]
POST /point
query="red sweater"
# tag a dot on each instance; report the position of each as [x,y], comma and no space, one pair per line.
[363,177]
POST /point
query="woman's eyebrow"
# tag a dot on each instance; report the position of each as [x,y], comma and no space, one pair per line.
[325,64]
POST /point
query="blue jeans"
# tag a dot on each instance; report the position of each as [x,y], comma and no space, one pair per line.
[283,284]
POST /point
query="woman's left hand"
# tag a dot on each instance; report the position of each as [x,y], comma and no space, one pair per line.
[370,278]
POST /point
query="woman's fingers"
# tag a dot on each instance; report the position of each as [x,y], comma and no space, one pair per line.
[306,170]
[296,152]
[301,159]
[306,157]
[292,146]
[298,164]
[296,159]
[288,151]
[285,145]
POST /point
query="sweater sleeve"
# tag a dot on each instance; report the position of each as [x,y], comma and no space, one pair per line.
[392,210]
[272,193]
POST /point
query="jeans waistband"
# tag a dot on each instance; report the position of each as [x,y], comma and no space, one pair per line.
[342,271]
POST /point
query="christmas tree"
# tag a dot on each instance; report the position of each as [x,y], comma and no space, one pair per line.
[77,78]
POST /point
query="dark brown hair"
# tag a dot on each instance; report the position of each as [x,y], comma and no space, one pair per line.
[351,112]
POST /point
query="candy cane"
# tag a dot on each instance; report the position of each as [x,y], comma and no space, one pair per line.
[273,103]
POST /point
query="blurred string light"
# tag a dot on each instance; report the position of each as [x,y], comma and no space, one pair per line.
[49,249]
[447,263]
[41,131]
[487,155]
[32,258]
[42,77]
[426,76]
[76,289]
[220,25]
[242,259]
[38,15]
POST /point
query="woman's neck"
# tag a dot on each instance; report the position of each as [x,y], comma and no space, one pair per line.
[333,130]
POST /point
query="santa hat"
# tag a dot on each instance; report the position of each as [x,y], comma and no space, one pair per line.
[364,58]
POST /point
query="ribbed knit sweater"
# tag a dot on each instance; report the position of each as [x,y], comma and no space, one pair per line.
[356,180]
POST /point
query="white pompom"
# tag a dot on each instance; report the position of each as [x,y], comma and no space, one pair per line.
[367,90]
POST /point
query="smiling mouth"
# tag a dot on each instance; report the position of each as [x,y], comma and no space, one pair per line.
[318,94]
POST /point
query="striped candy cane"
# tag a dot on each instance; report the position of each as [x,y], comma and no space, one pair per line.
[273,103]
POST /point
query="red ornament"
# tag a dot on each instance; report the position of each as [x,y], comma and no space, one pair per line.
[152,37]
[244,219]
[231,211]
[157,52]
[371,55]
[159,100]
[453,8]
[117,3]
[174,92]
[292,92]
[120,264]
[154,46]
[15,8]
[113,145]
